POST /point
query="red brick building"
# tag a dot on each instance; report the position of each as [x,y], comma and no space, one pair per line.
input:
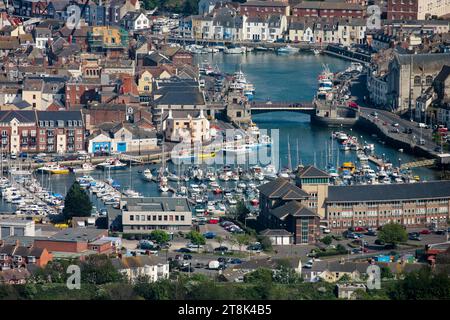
[14,256]
[329,9]
[79,93]
[18,131]
[76,240]
[402,9]
[264,8]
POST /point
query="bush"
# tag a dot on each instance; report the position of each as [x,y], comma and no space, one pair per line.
[327,240]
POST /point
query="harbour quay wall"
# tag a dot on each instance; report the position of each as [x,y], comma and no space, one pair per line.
[392,139]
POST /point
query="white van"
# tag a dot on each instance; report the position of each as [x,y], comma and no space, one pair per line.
[422,125]
[213,265]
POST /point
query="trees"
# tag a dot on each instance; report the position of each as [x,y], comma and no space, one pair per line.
[159,236]
[327,240]
[393,233]
[98,269]
[196,238]
[242,239]
[266,244]
[241,212]
[76,203]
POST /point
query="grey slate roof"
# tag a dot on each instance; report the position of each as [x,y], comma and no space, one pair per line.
[430,62]
[407,191]
[157,204]
[60,115]
[443,74]
[22,116]
[282,188]
[77,234]
[292,208]
[275,232]
[312,172]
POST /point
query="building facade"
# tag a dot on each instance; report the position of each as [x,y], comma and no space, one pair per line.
[143,215]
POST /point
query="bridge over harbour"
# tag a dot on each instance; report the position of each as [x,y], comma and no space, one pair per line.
[261,107]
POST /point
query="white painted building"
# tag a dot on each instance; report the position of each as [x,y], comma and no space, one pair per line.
[152,268]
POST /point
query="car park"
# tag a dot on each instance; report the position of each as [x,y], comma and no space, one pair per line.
[308,265]
[371,233]
[414,237]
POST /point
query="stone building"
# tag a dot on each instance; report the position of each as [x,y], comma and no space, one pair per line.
[410,75]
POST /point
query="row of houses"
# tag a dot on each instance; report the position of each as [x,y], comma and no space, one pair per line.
[226,25]
[42,131]
[390,9]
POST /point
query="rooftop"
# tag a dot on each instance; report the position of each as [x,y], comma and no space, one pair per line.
[157,204]
[389,192]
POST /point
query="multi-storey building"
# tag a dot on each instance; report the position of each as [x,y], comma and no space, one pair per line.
[18,131]
[264,8]
[285,206]
[143,215]
[417,9]
[412,205]
[327,9]
[61,131]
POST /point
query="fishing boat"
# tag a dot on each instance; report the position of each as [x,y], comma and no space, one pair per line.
[349,166]
[287,49]
[112,164]
[85,167]
[163,184]
[147,175]
[54,169]
[234,50]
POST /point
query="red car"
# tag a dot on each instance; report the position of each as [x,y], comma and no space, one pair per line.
[360,229]
[425,231]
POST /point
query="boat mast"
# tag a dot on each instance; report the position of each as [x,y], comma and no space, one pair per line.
[289,155]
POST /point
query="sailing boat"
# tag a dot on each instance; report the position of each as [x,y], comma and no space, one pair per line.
[130,192]
[163,181]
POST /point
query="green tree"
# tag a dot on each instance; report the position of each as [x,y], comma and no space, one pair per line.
[260,275]
[386,273]
[159,236]
[242,239]
[76,203]
[266,244]
[98,269]
[327,240]
[241,212]
[196,238]
[393,233]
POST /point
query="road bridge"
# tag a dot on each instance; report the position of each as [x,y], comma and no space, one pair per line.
[261,107]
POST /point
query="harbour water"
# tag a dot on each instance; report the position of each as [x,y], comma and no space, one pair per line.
[279,78]
[293,78]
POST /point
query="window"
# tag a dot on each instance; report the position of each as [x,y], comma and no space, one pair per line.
[131,217]
[429,80]
[417,80]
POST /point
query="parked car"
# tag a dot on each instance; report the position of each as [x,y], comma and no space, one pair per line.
[425,231]
[209,235]
[360,229]
[371,233]
[352,235]
[221,249]
[379,242]
[414,237]
[193,246]
[184,250]
[187,268]
[236,261]
[308,265]
[187,257]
